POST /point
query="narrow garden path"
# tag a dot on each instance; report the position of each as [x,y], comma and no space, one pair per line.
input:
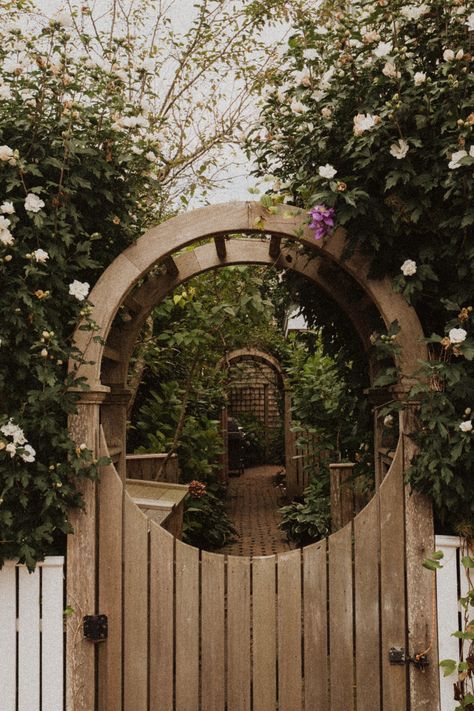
[252,504]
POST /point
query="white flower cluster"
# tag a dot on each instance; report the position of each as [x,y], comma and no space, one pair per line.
[33,203]
[79,289]
[457,157]
[466,426]
[8,155]
[364,122]
[18,444]
[6,237]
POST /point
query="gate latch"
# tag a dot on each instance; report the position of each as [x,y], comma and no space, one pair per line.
[397,656]
[96,627]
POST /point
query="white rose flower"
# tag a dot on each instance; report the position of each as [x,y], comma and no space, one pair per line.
[327,171]
[6,238]
[456,157]
[12,430]
[297,107]
[408,267]
[39,255]
[303,77]
[414,13]
[28,454]
[79,289]
[391,71]
[310,54]
[419,78]
[11,449]
[151,157]
[470,22]
[5,92]
[4,223]
[318,95]
[33,203]
[457,335]
[400,149]
[363,122]
[382,49]
[7,154]
[448,55]
[466,426]
[7,208]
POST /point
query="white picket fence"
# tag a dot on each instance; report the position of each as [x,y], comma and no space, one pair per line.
[31,636]
[452,583]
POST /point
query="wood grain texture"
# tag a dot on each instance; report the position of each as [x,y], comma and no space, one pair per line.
[8,646]
[28,639]
[213,631]
[341,638]
[161,620]
[238,634]
[367,607]
[52,633]
[135,611]
[315,595]
[187,627]
[289,631]
[110,497]
[392,583]
[264,633]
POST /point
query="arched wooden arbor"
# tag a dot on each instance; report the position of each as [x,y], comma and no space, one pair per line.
[192,631]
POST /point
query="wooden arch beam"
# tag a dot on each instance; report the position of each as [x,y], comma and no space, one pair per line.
[179,232]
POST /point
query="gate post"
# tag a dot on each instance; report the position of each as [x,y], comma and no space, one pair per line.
[421,589]
[81,562]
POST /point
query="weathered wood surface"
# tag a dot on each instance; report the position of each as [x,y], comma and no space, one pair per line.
[342,494]
[264,629]
[315,595]
[152,467]
[135,600]
[238,634]
[213,631]
[187,627]
[161,621]
[289,631]
[367,607]
[341,637]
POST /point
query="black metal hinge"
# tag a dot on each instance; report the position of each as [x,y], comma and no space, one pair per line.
[96,627]
[397,656]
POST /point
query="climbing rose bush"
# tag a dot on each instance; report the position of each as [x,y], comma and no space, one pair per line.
[373,117]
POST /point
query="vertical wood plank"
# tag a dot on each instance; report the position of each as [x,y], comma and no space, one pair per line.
[448,616]
[264,633]
[187,627]
[161,618]
[341,636]
[110,588]
[289,631]
[367,610]
[52,633]
[392,584]
[8,650]
[238,634]
[28,639]
[213,632]
[315,595]
[135,613]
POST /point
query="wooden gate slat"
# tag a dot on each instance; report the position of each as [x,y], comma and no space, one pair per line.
[8,650]
[316,662]
[187,627]
[264,633]
[52,633]
[289,631]
[135,663]
[28,639]
[110,586]
[161,618]
[366,573]
[212,632]
[392,583]
[238,634]
[341,637]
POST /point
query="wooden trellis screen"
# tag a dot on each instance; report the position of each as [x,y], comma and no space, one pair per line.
[303,456]
[304,630]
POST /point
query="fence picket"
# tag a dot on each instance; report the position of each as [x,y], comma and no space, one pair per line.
[161,618]
[52,634]
[212,632]
[289,631]
[8,650]
[28,639]
[316,660]
[341,636]
[264,633]
[187,627]
[238,634]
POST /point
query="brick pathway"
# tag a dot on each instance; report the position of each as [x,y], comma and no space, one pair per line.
[252,504]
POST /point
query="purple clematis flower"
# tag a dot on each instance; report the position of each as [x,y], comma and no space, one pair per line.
[322,220]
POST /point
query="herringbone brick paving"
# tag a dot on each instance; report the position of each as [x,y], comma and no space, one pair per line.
[252,504]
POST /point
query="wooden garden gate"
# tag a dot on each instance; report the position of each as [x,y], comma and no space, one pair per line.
[311,630]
